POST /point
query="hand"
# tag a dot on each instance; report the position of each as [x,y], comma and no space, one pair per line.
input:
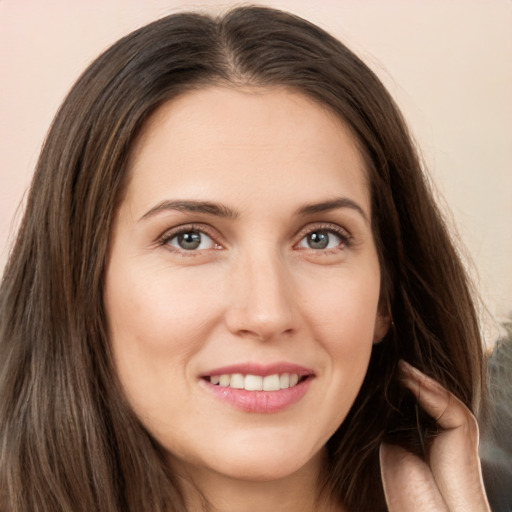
[451,481]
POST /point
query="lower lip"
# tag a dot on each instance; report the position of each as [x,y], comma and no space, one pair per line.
[260,401]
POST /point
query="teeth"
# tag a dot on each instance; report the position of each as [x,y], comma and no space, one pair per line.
[224,381]
[253,383]
[273,382]
[284,381]
[237,381]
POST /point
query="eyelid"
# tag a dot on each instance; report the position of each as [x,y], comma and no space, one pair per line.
[204,229]
[212,233]
[343,233]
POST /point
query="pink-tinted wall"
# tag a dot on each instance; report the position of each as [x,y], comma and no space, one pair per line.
[448,63]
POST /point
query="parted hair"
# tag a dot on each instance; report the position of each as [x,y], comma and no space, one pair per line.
[69,441]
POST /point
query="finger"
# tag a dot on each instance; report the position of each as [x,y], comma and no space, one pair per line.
[408,482]
[454,458]
[438,402]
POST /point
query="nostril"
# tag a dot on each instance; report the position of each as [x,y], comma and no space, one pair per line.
[264,333]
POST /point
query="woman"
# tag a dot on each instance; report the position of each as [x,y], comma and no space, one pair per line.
[228,254]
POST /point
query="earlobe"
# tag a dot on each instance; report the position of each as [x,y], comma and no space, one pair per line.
[382,324]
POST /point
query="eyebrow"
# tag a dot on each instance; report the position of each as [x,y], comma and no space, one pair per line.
[221,210]
[192,206]
[332,204]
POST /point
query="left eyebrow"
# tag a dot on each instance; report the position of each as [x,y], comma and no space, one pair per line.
[207,207]
[332,204]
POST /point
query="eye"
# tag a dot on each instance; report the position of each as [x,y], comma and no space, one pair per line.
[321,239]
[191,240]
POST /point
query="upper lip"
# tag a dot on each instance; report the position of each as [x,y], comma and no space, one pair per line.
[260,369]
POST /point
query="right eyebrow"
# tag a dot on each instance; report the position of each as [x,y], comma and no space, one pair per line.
[333,204]
[207,207]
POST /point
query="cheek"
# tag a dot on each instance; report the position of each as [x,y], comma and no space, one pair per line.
[345,309]
[344,322]
[156,325]
[149,305]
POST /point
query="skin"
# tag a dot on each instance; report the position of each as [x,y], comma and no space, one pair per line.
[254,290]
[451,480]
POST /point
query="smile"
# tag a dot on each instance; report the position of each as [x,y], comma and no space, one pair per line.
[259,389]
[274,382]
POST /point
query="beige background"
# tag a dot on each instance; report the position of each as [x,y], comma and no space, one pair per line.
[447,62]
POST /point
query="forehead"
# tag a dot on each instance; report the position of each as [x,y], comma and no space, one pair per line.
[229,141]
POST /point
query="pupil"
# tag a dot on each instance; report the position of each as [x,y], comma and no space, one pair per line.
[318,240]
[190,240]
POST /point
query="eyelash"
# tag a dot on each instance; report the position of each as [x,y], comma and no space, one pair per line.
[343,234]
[188,228]
[345,237]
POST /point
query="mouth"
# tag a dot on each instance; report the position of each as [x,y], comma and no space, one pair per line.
[249,382]
[259,389]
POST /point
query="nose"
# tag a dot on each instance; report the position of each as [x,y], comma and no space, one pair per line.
[262,300]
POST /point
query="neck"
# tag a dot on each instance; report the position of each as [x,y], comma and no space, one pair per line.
[299,492]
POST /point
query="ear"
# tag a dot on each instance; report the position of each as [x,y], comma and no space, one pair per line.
[382,324]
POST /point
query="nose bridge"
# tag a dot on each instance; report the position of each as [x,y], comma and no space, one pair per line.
[262,304]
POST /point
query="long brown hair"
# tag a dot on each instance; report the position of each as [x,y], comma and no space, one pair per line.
[69,441]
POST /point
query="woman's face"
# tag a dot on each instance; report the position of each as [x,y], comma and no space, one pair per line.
[242,285]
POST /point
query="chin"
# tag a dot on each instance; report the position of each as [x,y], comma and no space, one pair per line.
[262,469]
[260,460]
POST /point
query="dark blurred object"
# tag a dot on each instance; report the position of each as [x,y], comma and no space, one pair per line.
[496,426]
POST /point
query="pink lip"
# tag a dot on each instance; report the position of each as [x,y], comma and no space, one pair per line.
[260,401]
[259,369]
